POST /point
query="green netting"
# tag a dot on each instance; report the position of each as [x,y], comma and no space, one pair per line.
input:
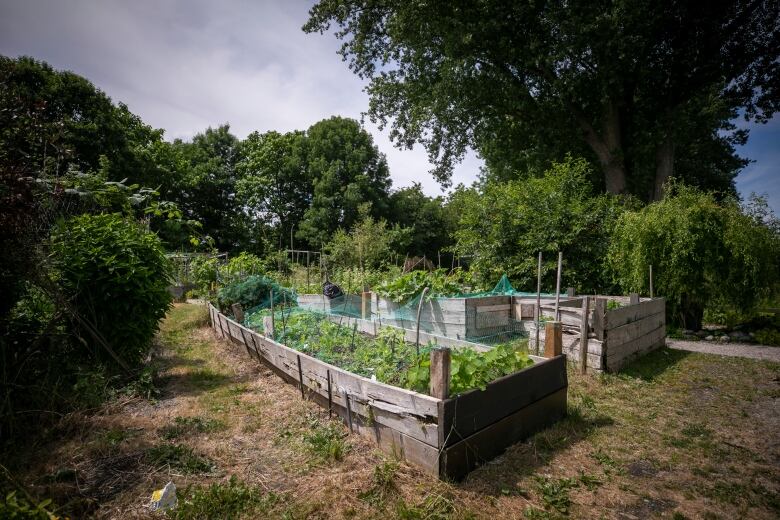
[485,317]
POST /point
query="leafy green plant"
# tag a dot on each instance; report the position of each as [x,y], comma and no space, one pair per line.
[768,337]
[230,499]
[203,273]
[612,305]
[253,291]
[115,275]
[383,484]
[15,507]
[555,492]
[327,442]
[410,285]
[470,369]
[241,267]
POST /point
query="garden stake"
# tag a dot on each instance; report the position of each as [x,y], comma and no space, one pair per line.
[558,286]
[651,280]
[349,411]
[538,309]
[419,310]
[330,396]
[300,376]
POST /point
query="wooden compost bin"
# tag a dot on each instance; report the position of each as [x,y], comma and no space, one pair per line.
[458,318]
[444,437]
[615,337]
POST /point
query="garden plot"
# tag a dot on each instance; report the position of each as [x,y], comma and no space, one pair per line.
[619,328]
[444,436]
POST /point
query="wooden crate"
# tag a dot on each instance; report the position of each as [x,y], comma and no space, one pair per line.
[444,437]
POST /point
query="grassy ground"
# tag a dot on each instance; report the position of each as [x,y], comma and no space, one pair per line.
[676,435]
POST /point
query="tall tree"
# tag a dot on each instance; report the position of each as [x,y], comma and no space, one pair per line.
[347,170]
[632,82]
[274,184]
[428,219]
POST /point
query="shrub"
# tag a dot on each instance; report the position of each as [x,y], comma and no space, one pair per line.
[504,225]
[203,272]
[701,250]
[253,291]
[240,267]
[115,275]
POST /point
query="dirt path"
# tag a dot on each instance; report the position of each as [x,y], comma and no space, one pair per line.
[743,350]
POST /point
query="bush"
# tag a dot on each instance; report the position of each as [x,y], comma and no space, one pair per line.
[203,273]
[254,291]
[240,267]
[115,275]
[505,225]
[702,251]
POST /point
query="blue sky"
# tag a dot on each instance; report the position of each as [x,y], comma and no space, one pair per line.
[184,65]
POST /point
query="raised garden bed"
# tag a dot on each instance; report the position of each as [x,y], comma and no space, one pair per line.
[445,437]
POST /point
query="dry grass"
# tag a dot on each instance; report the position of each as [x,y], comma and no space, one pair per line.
[676,435]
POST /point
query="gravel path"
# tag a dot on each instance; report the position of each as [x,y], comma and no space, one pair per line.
[745,350]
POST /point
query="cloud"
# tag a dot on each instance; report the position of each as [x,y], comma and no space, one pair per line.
[184,65]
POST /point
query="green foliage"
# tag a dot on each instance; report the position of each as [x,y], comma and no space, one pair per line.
[203,272]
[505,225]
[230,499]
[429,222]
[701,251]
[253,291]
[348,171]
[768,337]
[470,369]
[327,442]
[611,80]
[178,457]
[115,275]
[240,267]
[440,282]
[368,244]
[15,507]
[555,492]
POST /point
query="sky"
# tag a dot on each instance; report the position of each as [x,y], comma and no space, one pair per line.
[185,65]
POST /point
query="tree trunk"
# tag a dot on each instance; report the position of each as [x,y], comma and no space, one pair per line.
[608,149]
[664,165]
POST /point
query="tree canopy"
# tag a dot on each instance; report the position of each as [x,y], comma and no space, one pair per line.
[644,89]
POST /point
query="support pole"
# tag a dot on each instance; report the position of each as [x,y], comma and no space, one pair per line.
[584,335]
[330,396]
[238,312]
[440,373]
[300,377]
[558,285]
[553,339]
[365,303]
[538,308]
[419,310]
[273,318]
[651,280]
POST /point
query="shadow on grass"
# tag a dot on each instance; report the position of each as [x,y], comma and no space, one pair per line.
[500,476]
[655,364]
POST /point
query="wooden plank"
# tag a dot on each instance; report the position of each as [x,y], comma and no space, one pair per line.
[472,411]
[584,330]
[616,358]
[459,459]
[599,318]
[618,317]
[635,329]
[494,308]
[390,440]
[553,339]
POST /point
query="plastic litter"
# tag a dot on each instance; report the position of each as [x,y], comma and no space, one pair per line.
[164,498]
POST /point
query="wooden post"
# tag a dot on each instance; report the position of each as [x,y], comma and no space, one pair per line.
[633,298]
[273,319]
[300,377]
[538,308]
[570,292]
[349,410]
[558,285]
[268,327]
[238,312]
[365,303]
[330,396]
[419,310]
[440,373]
[651,280]
[553,339]
[599,318]
[584,335]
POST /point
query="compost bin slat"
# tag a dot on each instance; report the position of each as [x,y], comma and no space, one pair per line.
[463,415]
[617,317]
[636,329]
[457,460]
